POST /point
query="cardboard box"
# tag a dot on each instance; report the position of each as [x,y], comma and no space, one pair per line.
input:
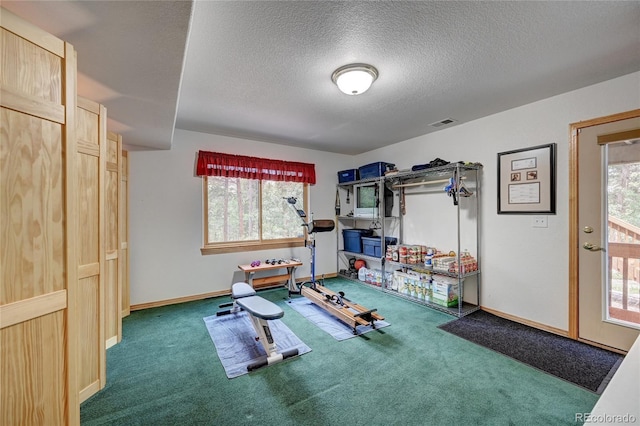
[443,300]
[444,290]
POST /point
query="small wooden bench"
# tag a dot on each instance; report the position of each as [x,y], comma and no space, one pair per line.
[289,277]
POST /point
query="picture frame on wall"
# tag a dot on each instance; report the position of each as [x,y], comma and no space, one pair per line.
[527,180]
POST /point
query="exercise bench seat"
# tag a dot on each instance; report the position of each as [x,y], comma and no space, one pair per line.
[238,291]
[261,308]
[260,311]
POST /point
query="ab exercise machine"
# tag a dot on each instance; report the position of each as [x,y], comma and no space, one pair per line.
[334,303]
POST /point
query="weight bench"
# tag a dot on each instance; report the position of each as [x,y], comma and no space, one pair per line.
[260,311]
[238,291]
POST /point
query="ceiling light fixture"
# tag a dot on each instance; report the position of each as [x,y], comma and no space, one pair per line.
[354,79]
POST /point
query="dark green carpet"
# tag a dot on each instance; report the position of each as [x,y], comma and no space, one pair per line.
[166,372]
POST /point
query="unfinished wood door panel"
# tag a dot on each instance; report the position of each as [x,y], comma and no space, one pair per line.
[113,265]
[124,234]
[111,302]
[38,270]
[91,355]
[33,371]
[33,227]
[91,134]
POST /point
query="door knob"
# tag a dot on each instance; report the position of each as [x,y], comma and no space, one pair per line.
[591,247]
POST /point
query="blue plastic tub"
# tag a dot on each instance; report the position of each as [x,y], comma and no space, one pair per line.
[371,246]
[353,239]
[374,169]
[347,175]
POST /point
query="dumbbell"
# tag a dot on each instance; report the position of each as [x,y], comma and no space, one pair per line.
[255,263]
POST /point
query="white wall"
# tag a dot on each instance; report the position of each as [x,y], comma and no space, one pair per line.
[166,218]
[524,269]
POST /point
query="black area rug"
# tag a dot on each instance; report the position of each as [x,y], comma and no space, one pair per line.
[576,362]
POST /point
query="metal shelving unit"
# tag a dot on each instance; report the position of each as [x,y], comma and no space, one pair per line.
[466,174]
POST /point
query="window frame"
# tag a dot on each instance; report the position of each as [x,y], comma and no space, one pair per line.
[253,245]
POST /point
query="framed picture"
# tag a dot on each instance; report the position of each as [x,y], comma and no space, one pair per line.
[527,180]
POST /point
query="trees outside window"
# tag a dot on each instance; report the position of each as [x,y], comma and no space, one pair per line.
[248,214]
[624,192]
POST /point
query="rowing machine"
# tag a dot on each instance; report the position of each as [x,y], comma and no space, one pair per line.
[340,307]
[335,303]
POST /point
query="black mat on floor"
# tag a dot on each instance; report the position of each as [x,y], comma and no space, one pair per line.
[576,362]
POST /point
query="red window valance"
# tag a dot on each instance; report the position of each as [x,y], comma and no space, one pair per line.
[227,165]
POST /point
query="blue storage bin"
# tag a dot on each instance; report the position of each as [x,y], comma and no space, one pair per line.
[348,175]
[371,245]
[374,169]
[353,239]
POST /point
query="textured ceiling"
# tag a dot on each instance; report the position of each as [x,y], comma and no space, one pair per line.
[262,70]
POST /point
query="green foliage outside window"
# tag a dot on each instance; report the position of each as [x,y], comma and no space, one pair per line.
[624,192]
[248,210]
[278,218]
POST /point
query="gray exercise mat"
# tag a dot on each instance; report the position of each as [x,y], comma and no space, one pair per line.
[327,322]
[234,338]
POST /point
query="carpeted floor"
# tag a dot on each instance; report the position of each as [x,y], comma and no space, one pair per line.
[236,345]
[576,362]
[166,372]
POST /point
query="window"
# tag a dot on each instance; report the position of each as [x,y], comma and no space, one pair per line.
[249,214]
[245,206]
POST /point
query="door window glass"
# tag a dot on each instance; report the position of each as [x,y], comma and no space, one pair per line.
[623,225]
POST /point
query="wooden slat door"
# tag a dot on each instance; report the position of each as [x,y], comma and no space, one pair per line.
[91,135]
[113,266]
[38,261]
[124,234]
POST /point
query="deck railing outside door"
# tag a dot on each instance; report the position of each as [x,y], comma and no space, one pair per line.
[624,270]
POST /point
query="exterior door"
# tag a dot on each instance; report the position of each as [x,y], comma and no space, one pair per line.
[604,291]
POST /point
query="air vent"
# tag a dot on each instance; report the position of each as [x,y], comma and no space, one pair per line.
[442,122]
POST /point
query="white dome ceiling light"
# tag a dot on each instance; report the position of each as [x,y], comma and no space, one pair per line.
[354,79]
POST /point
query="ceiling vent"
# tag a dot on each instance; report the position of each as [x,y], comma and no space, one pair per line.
[442,122]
